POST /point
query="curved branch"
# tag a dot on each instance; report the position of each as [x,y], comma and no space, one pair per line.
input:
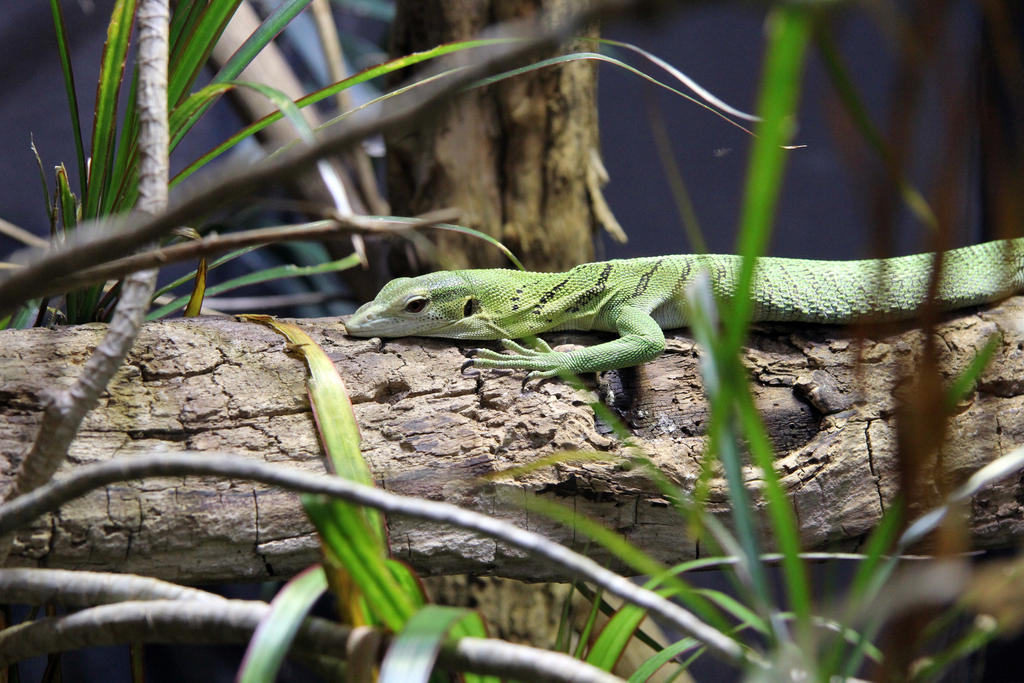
[87,589]
[233,621]
[84,479]
[163,621]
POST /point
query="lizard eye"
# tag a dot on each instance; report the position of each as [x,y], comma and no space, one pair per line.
[470,307]
[416,304]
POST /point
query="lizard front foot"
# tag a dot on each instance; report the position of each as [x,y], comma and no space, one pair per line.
[541,361]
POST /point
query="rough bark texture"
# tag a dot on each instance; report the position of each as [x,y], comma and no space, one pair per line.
[516,157]
[429,431]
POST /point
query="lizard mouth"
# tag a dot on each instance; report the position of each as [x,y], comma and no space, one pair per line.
[362,322]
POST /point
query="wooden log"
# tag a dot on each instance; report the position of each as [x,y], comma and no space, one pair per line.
[827,397]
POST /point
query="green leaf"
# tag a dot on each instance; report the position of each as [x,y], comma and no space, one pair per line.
[983,631]
[23,317]
[723,438]
[243,56]
[51,206]
[183,117]
[332,411]
[660,659]
[273,637]
[413,652]
[861,118]
[588,626]
[788,33]
[352,546]
[81,304]
[789,29]
[104,127]
[615,636]
[260,38]
[192,42]
[628,554]
[66,201]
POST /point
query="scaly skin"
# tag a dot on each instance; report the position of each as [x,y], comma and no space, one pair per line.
[638,298]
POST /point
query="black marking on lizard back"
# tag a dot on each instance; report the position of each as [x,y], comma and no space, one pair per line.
[645,280]
[514,301]
[550,294]
[592,292]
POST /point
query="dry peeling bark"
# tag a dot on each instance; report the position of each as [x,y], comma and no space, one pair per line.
[217,384]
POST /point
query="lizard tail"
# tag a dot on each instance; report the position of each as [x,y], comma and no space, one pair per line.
[886,289]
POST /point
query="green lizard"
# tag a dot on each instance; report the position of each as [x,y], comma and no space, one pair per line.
[640,297]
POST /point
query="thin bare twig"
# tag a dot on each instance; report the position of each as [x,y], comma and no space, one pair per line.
[214,244]
[22,235]
[84,479]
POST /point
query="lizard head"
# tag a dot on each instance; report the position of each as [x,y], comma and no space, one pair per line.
[443,304]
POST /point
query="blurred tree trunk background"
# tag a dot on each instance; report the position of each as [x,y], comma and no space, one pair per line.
[519,158]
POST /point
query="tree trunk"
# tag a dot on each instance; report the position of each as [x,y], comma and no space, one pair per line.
[519,158]
[826,396]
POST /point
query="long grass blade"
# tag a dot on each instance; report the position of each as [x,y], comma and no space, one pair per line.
[723,439]
[64,52]
[353,537]
[596,56]
[350,545]
[261,37]
[104,127]
[218,262]
[861,118]
[966,380]
[243,56]
[789,33]
[199,33]
[50,204]
[273,637]
[701,92]
[630,555]
[413,652]
[660,659]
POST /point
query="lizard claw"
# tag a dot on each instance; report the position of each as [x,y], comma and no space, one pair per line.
[467,365]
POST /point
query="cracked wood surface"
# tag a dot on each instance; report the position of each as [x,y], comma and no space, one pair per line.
[218,384]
